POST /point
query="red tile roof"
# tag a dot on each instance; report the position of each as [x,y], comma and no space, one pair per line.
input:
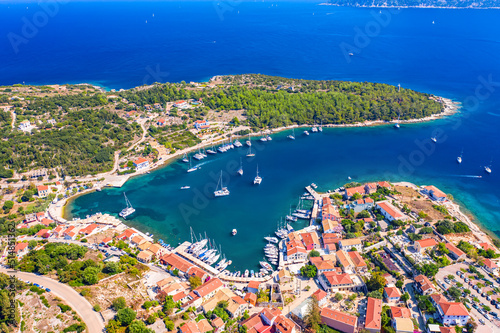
[356,259]
[489,263]
[140,160]
[392,292]
[390,209]
[450,308]
[20,246]
[320,294]
[42,188]
[435,191]
[336,279]
[400,312]
[428,242]
[253,284]
[208,287]
[373,314]
[339,316]
[452,248]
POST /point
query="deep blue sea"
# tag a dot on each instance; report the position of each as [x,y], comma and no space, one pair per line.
[453,53]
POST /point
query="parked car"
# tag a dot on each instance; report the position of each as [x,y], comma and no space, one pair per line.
[488,298]
[481,320]
[466,279]
[48,290]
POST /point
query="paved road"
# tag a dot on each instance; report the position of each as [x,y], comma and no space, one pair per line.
[77,302]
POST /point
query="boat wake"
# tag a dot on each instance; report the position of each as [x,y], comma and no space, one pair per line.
[467,176]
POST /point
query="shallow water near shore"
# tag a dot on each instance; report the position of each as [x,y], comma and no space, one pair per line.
[457,57]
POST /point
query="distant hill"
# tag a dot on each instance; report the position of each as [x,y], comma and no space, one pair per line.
[418,3]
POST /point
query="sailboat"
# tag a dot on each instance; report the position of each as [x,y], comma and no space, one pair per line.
[191,167]
[185,158]
[240,170]
[263,138]
[250,153]
[306,132]
[292,136]
[222,191]
[129,210]
[257,180]
[434,139]
[459,158]
[211,150]
[320,128]
[397,123]
[249,142]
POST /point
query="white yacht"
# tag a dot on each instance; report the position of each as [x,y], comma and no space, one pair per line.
[269,138]
[237,144]
[306,132]
[314,129]
[292,136]
[185,187]
[185,158]
[234,232]
[129,210]
[434,139]
[211,150]
[397,123]
[487,169]
[257,180]
[222,191]
[271,239]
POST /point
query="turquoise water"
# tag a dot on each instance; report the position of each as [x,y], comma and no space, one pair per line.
[328,158]
[110,43]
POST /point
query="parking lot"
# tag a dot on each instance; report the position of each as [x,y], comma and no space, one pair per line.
[488,321]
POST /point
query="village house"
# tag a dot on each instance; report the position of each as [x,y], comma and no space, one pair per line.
[269,320]
[434,193]
[295,251]
[175,262]
[349,192]
[43,191]
[70,233]
[218,325]
[390,212]
[361,204]
[424,285]
[25,126]
[373,322]
[339,321]
[284,276]
[158,106]
[157,250]
[392,294]
[21,249]
[321,296]
[201,326]
[201,124]
[400,312]
[359,264]
[89,229]
[330,241]
[450,313]
[141,163]
[335,281]
[209,288]
[148,107]
[424,244]
[145,256]
[331,226]
[490,266]
[253,287]
[161,122]
[329,211]
[311,241]
[127,235]
[455,252]
[181,104]
[250,298]
[131,114]
[345,262]
[322,265]
[136,241]
[349,244]
[29,218]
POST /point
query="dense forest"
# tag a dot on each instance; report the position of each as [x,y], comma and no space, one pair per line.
[418,3]
[275,102]
[86,130]
[80,146]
